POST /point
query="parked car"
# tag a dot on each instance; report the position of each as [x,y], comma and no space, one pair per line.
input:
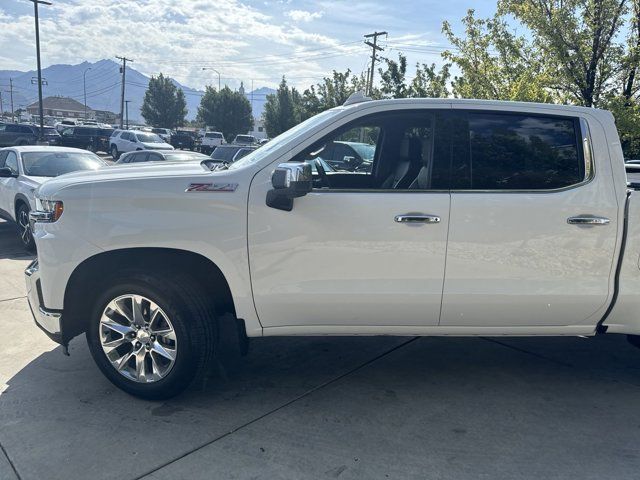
[184,139]
[210,141]
[123,141]
[160,156]
[163,133]
[93,139]
[349,156]
[245,140]
[477,218]
[24,168]
[25,134]
[231,153]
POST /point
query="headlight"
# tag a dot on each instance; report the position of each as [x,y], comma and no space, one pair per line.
[47,211]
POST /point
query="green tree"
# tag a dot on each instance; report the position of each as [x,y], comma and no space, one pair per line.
[282,110]
[331,92]
[429,83]
[164,104]
[227,111]
[393,78]
[494,63]
[577,40]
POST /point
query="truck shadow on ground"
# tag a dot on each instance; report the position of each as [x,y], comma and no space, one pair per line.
[431,401]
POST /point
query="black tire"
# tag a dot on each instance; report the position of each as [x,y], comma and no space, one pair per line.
[24,228]
[114,152]
[193,318]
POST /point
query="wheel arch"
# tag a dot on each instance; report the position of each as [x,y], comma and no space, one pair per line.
[18,201]
[91,276]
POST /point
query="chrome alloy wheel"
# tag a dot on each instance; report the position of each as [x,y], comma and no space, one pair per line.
[24,227]
[138,338]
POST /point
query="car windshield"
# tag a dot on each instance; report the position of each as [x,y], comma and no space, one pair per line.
[148,138]
[244,138]
[185,156]
[224,154]
[283,138]
[50,131]
[52,164]
[213,135]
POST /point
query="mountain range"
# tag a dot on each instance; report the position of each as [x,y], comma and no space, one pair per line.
[103,83]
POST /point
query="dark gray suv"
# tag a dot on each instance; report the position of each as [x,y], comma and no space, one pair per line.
[14,134]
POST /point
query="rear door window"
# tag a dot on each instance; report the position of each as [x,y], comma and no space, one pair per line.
[523,152]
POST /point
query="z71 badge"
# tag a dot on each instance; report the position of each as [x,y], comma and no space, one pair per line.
[212,187]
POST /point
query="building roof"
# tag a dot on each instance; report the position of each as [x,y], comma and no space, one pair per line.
[61,103]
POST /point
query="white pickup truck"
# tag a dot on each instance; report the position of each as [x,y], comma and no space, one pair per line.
[474,218]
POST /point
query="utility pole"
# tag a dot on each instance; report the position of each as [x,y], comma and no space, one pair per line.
[40,108]
[124,71]
[84,85]
[1,106]
[13,118]
[127,102]
[374,51]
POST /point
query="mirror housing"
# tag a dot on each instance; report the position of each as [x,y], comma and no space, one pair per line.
[6,172]
[289,181]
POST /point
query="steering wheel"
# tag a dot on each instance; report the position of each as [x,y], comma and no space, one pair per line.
[324,178]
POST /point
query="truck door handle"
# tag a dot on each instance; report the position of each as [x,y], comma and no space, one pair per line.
[417,219]
[587,220]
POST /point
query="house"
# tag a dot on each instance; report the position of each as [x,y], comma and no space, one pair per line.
[61,107]
[258,130]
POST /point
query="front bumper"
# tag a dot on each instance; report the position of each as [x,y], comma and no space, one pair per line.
[50,321]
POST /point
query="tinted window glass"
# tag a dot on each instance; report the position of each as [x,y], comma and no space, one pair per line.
[148,138]
[12,129]
[3,156]
[522,152]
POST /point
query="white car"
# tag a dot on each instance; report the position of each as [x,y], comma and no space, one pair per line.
[163,133]
[475,218]
[210,141]
[23,169]
[123,141]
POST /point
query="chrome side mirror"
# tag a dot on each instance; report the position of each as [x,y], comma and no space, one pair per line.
[289,181]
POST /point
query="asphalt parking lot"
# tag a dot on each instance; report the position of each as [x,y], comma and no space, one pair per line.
[348,408]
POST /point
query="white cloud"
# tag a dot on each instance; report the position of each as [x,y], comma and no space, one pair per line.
[303,15]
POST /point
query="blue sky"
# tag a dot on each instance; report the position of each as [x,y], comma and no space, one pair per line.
[252,41]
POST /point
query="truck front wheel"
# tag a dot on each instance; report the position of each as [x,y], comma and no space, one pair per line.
[151,336]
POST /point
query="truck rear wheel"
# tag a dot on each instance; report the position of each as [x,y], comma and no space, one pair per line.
[150,336]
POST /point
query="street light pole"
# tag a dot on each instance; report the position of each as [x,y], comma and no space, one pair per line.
[209,68]
[40,108]
[84,85]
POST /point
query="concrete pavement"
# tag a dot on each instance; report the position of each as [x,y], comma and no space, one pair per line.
[348,408]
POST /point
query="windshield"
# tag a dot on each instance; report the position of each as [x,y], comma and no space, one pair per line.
[224,154]
[148,138]
[213,135]
[159,130]
[52,164]
[283,138]
[184,157]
